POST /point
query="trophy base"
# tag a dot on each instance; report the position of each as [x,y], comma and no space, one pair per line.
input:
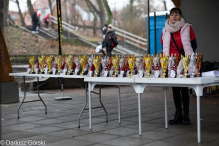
[69,73]
[32,72]
[186,76]
[85,73]
[164,76]
[42,73]
[49,73]
[130,76]
[58,73]
[147,76]
[115,75]
[197,75]
[96,75]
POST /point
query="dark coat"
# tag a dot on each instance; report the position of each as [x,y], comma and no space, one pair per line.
[104,31]
[34,17]
[108,41]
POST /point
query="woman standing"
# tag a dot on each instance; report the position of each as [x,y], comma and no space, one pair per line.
[46,21]
[178,38]
[110,40]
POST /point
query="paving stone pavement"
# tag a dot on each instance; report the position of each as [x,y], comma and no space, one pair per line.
[59,127]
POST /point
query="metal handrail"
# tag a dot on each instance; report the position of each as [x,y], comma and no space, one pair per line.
[128,33]
[63,22]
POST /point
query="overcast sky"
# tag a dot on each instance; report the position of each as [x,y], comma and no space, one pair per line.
[118,4]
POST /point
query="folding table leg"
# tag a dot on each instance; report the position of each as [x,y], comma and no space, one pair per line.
[90,108]
[119,106]
[139,112]
[84,105]
[198,120]
[165,92]
[102,103]
[23,98]
[40,96]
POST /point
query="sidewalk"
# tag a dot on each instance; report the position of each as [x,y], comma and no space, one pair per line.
[60,125]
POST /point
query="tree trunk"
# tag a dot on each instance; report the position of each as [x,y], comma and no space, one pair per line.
[30,7]
[6,12]
[95,18]
[131,15]
[22,18]
[109,12]
[51,11]
[102,13]
[2,16]
[66,15]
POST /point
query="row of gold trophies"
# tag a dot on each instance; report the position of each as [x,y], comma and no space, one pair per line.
[144,66]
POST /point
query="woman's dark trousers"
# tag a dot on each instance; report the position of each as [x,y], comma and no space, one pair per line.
[181,96]
[109,50]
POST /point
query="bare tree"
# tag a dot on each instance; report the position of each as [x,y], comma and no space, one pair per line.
[95,16]
[109,12]
[101,13]
[30,7]
[131,15]
[6,12]
[65,7]
[20,13]
[51,11]
[2,16]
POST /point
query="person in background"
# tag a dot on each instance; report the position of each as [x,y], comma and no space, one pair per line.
[46,21]
[34,21]
[178,38]
[39,22]
[104,34]
[104,30]
[110,40]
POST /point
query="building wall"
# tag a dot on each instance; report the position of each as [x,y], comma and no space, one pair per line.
[204,16]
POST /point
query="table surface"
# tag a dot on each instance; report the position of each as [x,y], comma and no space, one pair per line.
[170,81]
[21,74]
[192,81]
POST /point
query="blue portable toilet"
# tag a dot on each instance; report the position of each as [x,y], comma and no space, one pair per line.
[157,22]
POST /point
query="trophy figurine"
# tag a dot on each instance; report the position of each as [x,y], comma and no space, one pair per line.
[96,62]
[131,62]
[148,64]
[164,62]
[59,63]
[115,65]
[41,62]
[49,61]
[199,64]
[83,62]
[192,64]
[69,61]
[32,61]
[185,63]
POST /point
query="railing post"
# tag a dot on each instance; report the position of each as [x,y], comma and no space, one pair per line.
[138,45]
[124,39]
[68,34]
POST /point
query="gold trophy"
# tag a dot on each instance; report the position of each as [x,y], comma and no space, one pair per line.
[83,62]
[115,65]
[49,61]
[148,64]
[185,63]
[59,63]
[96,62]
[199,64]
[131,61]
[32,61]
[164,62]
[41,62]
[69,61]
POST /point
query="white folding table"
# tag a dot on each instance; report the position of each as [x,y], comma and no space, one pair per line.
[139,85]
[24,74]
